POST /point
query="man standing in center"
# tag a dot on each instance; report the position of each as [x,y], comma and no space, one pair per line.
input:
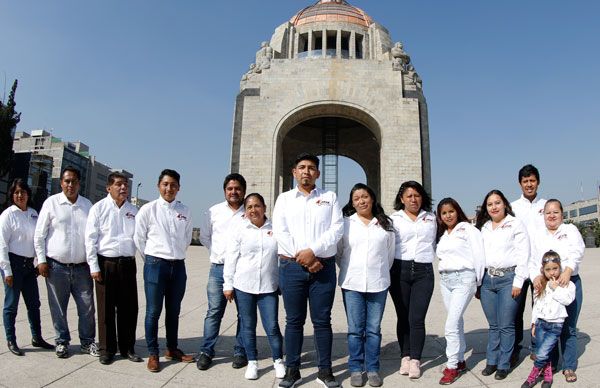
[214,235]
[307,223]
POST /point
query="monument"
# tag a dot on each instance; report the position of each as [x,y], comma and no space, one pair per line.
[331,82]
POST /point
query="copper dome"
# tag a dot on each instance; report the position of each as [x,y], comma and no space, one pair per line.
[332,11]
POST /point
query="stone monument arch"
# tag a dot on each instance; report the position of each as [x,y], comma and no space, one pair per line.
[331,82]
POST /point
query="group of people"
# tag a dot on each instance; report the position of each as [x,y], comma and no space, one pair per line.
[512,247]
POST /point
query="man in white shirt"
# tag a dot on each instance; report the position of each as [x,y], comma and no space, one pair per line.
[215,235]
[307,223]
[110,254]
[60,250]
[529,209]
[163,232]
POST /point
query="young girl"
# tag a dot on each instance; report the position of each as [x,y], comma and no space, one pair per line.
[549,313]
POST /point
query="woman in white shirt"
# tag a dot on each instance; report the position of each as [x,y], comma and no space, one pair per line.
[251,276]
[567,241]
[506,244]
[365,256]
[17,225]
[411,275]
[461,264]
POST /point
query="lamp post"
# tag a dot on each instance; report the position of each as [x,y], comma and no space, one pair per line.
[137,195]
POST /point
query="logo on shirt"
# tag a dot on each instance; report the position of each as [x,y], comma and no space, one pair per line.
[34,216]
[129,215]
[461,229]
[506,226]
[562,236]
[270,233]
[181,217]
[428,219]
[322,202]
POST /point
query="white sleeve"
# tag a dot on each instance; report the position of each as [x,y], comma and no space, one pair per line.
[285,241]
[41,232]
[522,252]
[206,229]
[576,249]
[333,234]
[189,229]
[141,230]
[535,260]
[478,252]
[5,233]
[564,295]
[92,231]
[391,242]
[232,254]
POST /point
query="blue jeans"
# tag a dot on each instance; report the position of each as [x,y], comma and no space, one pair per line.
[364,311]
[568,337]
[298,286]
[65,280]
[546,338]
[164,280]
[500,309]
[24,282]
[216,309]
[268,304]
[458,288]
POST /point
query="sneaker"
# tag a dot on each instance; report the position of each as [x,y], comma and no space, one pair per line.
[414,370]
[239,362]
[279,368]
[404,366]
[374,379]
[204,361]
[252,370]
[548,375]
[450,375]
[532,378]
[291,378]
[91,349]
[62,351]
[356,379]
[326,378]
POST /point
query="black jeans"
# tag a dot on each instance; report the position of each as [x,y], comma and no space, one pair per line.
[522,299]
[411,289]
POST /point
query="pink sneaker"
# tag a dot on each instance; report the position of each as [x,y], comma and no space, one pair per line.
[404,366]
[532,378]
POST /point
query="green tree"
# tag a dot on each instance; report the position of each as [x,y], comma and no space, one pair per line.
[9,119]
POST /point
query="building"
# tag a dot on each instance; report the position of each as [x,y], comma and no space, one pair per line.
[583,212]
[331,82]
[36,170]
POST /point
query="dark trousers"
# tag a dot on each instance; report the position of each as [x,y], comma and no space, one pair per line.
[411,290]
[522,300]
[116,295]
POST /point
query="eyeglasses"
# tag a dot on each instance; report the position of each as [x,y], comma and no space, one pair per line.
[551,260]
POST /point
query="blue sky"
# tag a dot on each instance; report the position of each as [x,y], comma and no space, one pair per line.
[152,84]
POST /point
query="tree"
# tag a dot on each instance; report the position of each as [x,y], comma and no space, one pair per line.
[9,119]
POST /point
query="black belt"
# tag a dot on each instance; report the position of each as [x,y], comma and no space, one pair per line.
[72,265]
[119,258]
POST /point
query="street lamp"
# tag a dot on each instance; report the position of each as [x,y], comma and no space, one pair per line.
[137,195]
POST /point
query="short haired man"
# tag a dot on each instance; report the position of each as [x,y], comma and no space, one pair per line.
[307,223]
[110,254]
[163,232]
[214,235]
[60,249]
[529,208]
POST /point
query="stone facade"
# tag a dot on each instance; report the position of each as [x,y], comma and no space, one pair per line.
[352,82]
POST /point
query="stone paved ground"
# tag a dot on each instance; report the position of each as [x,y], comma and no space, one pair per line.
[41,368]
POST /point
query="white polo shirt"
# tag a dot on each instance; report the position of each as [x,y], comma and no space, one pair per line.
[16,235]
[214,231]
[415,240]
[462,249]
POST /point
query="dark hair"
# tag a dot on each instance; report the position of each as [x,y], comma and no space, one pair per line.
[461,216]
[73,170]
[172,173]
[529,170]
[377,209]
[306,156]
[554,200]
[483,216]
[426,198]
[19,183]
[548,257]
[235,177]
[113,176]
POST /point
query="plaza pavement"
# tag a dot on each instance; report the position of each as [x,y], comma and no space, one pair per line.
[41,368]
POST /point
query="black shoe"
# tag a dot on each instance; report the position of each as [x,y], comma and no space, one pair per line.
[291,379]
[14,348]
[514,358]
[132,356]
[489,369]
[204,361]
[501,374]
[239,362]
[326,378]
[40,343]
[106,359]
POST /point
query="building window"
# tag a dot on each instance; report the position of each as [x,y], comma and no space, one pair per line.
[584,211]
[573,213]
[358,47]
[565,214]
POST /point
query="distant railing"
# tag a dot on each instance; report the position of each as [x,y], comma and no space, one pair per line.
[329,53]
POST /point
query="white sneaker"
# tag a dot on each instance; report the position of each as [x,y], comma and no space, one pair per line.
[252,370]
[91,349]
[279,368]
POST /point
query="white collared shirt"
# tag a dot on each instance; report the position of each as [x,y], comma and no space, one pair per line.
[365,256]
[530,213]
[109,231]
[415,240]
[214,231]
[566,241]
[507,246]
[462,249]
[251,259]
[313,221]
[163,229]
[551,307]
[59,233]
[16,235]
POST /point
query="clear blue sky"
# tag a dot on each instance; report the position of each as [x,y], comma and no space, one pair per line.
[152,84]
